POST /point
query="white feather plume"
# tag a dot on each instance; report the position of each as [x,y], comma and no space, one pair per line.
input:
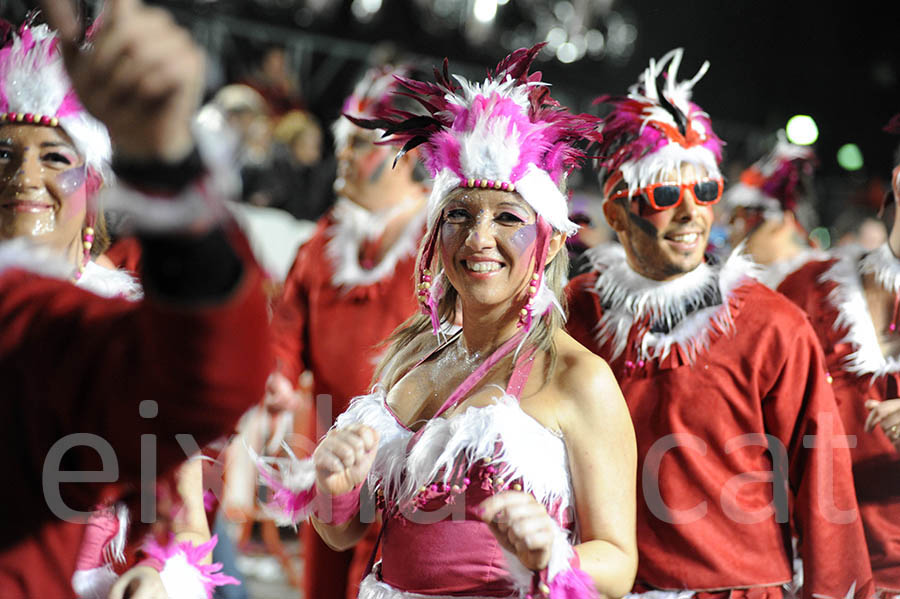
[36,82]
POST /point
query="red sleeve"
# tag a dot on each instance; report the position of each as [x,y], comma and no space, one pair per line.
[75,363]
[800,411]
[289,319]
[582,308]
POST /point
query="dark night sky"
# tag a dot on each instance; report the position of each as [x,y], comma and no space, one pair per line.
[839,62]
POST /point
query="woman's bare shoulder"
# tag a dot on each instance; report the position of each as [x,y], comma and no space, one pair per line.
[584,382]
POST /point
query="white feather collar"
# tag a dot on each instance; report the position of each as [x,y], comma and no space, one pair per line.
[628,297]
[848,298]
[106,282]
[24,254]
[354,225]
[772,275]
[527,449]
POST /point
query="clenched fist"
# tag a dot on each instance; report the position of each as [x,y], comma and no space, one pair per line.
[344,457]
[522,526]
[142,76]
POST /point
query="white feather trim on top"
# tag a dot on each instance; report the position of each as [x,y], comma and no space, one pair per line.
[848,298]
[354,225]
[652,167]
[628,297]
[527,449]
[772,275]
[106,282]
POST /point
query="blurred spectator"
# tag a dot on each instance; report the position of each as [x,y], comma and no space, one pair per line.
[272,79]
[297,178]
[247,115]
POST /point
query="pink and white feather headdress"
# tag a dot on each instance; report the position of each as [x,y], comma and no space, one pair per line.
[774,183]
[656,129]
[35,89]
[374,94]
[504,133]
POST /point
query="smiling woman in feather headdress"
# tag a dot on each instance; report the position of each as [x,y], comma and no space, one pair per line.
[502,455]
[54,158]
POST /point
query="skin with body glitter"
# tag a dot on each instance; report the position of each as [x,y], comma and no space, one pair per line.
[487,244]
[42,190]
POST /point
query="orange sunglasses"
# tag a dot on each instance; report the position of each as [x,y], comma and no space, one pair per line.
[662,196]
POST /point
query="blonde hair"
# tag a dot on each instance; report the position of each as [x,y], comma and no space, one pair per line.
[411,340]
[293,124]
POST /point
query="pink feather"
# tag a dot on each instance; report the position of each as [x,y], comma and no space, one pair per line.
[573,584]
[208,574]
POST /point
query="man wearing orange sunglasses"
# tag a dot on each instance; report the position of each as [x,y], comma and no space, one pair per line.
[734,416]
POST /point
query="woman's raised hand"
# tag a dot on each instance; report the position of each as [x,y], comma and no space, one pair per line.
[522,526]
[142,76]
[344,457]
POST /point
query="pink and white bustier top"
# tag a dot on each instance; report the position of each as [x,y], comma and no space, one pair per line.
[428,485]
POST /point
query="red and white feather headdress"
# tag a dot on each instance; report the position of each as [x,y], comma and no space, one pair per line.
[35,89]
[655,129]
[774,182]
[373,95]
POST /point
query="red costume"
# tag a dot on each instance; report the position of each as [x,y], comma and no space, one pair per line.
[73,362]
[337,307]
[831,293]
[725,382]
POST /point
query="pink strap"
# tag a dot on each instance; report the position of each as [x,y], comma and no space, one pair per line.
[520,374]
[467,385]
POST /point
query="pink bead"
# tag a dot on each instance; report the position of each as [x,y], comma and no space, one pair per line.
[640,363]
[893,327]
[29,118]
[466,481]
[477,182]
[433,488]
[89,238]
[491,469]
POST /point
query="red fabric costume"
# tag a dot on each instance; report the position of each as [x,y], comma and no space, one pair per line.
[73,362]
[722,375]
[334,330]
[831,293]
